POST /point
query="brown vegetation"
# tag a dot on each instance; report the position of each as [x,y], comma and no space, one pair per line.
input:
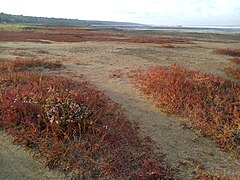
[234,72]
[227,51]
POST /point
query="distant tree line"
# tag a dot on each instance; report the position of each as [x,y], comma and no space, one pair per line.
[8,18]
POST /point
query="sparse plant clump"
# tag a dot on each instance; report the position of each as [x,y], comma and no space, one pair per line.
[212,103]
[22,54]
[41,51]
[168,46]
[205,176]
[234,72]
[118,73]
[216,176]
[75,127]
[21,64]
[235,60]
[227,51]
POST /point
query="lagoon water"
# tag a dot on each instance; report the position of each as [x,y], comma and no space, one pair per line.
[190,29]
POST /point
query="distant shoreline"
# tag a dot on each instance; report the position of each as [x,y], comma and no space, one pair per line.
[190,29]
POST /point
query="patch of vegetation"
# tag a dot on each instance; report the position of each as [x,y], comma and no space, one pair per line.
[73,126]
[18,27]
[79,35]
[216,176]
[212,103]
[235,60]
[21,64]
[234,72]
[168,46]
[118,73]
[227,51]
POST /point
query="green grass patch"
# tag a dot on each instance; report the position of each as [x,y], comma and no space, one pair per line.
[19,27]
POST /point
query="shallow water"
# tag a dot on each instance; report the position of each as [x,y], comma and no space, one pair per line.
[193,29]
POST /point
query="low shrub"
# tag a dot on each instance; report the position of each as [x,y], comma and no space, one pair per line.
[206,176]
[212,103]
[234,72]
[21,64]
[227,51]
[216,176]
[235,60]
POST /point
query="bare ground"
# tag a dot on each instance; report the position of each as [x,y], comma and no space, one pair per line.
[18,163]
[97,61]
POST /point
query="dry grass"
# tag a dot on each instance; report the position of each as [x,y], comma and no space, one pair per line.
[18,27]
[41,51]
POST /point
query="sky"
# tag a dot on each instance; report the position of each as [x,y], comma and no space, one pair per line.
[152,12]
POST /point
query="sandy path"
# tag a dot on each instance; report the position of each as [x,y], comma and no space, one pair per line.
[17,164]
[96,61]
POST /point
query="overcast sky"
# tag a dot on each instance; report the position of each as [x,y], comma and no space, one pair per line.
[157,12]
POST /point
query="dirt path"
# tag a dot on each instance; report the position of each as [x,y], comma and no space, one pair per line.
[97,62]
[17,164]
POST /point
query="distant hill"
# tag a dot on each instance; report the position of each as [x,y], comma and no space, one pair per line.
[8,18]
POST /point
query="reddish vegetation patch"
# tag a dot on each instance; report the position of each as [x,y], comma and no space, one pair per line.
[116,73]
[205,176]
[212,103]
[216,176]
[31,36]
[27,64]
[74,126]
[234,72]
[235,60]
[227,51]
[168,46]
